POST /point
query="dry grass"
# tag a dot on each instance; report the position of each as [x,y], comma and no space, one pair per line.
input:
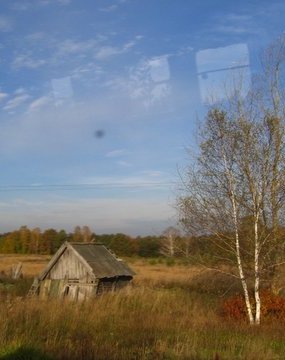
[146,273]
[158,273]
[136,323]
[160,317]
[32,264]
[140,323]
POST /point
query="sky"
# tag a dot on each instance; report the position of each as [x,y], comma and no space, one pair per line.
[99,100]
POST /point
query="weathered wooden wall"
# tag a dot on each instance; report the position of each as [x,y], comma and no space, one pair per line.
[69,267]
[65,289]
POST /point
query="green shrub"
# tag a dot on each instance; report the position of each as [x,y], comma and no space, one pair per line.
[170,261]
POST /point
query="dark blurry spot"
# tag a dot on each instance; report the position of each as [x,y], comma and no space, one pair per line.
[204,76]
[99,134]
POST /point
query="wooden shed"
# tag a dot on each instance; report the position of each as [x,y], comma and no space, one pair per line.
[81,270]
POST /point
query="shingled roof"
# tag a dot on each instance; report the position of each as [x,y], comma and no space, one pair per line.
[101,262]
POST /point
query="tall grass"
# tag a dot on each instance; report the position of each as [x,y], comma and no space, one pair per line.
[140,323]
[163,316]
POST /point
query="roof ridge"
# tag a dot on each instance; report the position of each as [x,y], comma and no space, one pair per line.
[84,243]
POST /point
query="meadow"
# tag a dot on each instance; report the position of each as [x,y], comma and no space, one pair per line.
[171,311]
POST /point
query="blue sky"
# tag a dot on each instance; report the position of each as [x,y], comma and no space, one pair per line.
[99,99]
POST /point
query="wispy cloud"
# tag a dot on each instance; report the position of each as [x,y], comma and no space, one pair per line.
[88,70]
[26,5]
[50,2]
[63,124]
[110,8]
[71,46]
[40,103]
[106,51]
[113,7]
[47,50]
[235,24]
[16,101]
[36,36]
[28,61]
[124,163]
[3,96]
[116,153]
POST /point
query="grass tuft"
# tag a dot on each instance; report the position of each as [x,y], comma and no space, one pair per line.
[162,316]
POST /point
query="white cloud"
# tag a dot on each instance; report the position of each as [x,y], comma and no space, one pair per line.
[52,129]
[62,126]
[3,96]
[36,36]
[107,51]
[116,153]
[237,17]
[40,102]
[70,46]
[104,52]
[235,24]
[110,8]
[113,7]
[233,29]
[159,69]
[62,88]
[64,2]
[48,2]
[159,92]
[16,101]
[124,163]
[27,61]
[88,71]
[26,5]
[20,91]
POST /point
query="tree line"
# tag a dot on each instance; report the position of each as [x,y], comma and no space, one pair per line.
[170,244]
[35,241]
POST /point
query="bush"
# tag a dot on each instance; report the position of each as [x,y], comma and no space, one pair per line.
[215,284]
[152,262]
[13,287]
[170,261]
[272,306]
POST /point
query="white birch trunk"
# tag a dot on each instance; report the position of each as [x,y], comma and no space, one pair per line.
[256,273]
[237,244]
[240,267]
[171,245]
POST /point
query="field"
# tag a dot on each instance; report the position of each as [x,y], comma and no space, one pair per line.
[171,311]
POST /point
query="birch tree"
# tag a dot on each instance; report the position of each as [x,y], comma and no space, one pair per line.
[240,173]
[168,245]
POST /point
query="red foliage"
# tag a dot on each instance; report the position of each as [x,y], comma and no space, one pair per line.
[272,306]
[234,308]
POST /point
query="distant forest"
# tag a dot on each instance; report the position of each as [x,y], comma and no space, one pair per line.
[169,244]
[36,241]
